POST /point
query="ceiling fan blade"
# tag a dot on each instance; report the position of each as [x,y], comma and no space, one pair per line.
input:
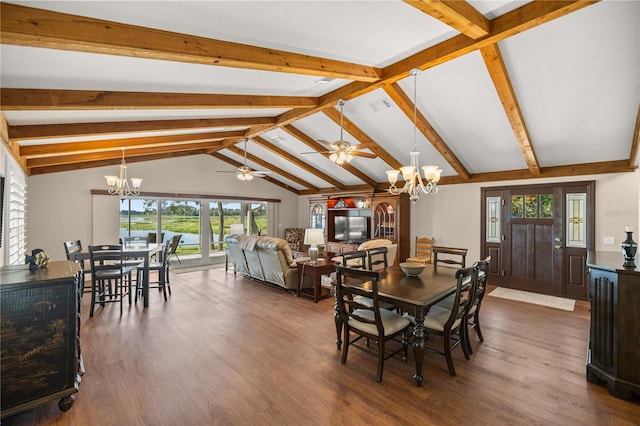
[364,154]
[365,145]
[327,143]
[317,152]
[226,171]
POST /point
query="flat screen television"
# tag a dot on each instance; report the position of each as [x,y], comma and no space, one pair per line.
[351,228]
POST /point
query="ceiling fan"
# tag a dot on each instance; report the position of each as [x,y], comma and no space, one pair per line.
[245,172]
[342,151]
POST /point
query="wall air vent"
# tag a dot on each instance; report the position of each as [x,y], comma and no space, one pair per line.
[380,104]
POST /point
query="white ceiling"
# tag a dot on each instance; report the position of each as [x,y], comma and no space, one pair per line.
[576,80]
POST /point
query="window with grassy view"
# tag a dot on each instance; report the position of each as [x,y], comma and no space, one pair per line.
[202,224]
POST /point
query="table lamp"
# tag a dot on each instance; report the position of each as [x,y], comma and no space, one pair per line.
[236,229]
[313,237]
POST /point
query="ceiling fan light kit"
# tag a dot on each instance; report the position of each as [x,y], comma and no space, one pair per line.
[119,185]
[414,184]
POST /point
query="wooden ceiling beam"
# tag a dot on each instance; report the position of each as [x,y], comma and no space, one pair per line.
[500,76]
[458,14]
[111,144]
[406,105]
[317,146]
[116,155]
[26,26]
[362,137]
[267,165]
[43,131]
[521,19]
[298,162]
[12,147]
[49,99]
[109,162]
[267,178]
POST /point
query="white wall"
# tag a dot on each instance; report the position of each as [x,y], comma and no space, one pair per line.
[452,215]
[60,205]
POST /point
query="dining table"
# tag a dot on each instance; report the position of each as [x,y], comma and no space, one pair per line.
[134,251]
[414,295]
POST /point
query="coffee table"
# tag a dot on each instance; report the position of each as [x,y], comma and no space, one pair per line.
[314,271]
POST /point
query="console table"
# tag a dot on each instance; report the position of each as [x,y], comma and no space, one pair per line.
[40,336]
[613,356]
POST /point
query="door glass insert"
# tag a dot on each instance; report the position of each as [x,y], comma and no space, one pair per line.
[546,206]
[517,206]
[532,206]
[576,223]
[493,219]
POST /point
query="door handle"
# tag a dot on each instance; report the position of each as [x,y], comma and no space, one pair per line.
[557,246]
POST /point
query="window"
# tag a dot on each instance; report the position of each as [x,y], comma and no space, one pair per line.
[576,223]
[493,219]
[202,224]
[532,206]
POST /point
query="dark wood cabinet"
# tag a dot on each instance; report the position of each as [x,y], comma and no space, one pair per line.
[388,217]
[614,343]
[40,332]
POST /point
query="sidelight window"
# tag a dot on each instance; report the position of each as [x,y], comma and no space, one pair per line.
[576,223]
[493,219]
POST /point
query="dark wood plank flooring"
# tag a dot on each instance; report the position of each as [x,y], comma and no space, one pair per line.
[228,350]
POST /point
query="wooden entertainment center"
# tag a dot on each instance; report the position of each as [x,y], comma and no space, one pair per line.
[386,216]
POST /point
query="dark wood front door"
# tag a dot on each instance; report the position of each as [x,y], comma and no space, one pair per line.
[538,237]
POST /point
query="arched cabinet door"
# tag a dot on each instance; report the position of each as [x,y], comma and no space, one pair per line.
[318,215]
[390,219]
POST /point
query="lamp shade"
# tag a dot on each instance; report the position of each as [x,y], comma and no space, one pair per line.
[237,229]
[313,236]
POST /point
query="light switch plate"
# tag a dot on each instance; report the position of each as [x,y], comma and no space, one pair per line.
[608,240]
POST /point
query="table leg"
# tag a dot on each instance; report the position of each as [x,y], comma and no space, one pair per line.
[418,348]
[317,281]
[145,281]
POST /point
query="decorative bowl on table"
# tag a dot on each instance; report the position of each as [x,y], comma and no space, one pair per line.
[412,269]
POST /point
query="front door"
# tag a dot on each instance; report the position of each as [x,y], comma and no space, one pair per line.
[538,237]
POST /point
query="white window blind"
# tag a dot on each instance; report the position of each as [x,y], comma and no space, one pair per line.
[17,226]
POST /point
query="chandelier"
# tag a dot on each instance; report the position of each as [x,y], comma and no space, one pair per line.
[119,185]
[414,185]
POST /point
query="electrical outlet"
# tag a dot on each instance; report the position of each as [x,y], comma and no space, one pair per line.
[609,241]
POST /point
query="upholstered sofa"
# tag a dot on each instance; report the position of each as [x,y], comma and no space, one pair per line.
[267,259]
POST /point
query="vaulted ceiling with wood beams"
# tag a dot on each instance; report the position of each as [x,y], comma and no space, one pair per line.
[507,89]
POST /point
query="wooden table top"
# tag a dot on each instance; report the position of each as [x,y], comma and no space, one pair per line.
[421,291]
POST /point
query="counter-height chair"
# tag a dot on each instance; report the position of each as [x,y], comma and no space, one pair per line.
[475,302]
[449,323]
[175,241]
[368,322]
[110,277]
[423,252]
[152,238]
[162,267]
[70,248]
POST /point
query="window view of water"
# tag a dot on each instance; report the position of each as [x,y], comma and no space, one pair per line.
[139,217]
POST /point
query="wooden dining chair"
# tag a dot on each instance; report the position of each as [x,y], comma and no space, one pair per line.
[110,277]
[376,257]
[423,251]
[449,323]
[472,316]
[368,322]
[449,256]
[162,268]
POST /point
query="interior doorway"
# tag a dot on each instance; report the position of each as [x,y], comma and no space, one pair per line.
[538,236]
